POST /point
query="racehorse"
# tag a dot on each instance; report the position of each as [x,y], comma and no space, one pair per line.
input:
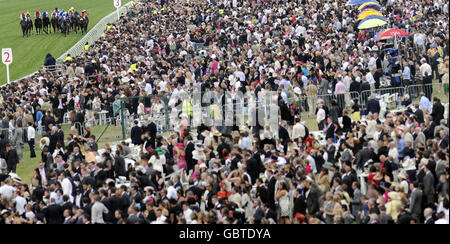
[84,22]
[64,25]
[38,25]
[46,23]
[74,23]
[54,22]
[25,28]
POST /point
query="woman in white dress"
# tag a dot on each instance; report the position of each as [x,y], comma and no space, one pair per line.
[283,200]
[141,108]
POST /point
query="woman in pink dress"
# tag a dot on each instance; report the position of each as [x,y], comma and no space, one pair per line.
[180,156]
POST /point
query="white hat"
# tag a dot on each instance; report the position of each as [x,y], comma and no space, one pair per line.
[297,90]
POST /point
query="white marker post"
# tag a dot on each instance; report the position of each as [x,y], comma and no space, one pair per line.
[117,4]
[7,59]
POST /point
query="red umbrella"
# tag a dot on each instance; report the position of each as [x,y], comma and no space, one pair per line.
[389,33]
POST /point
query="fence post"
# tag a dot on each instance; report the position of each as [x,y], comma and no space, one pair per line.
[166,106]
[122,118]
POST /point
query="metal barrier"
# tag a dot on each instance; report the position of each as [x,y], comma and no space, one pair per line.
[94,34]
[393,94]
[131,109]
[430,91]
[309,104]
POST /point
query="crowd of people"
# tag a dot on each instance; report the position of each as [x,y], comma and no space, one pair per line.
[389,167]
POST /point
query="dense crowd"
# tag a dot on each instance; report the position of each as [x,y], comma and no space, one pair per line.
[368,164]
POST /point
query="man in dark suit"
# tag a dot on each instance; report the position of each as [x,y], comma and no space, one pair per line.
[385,218]
[66,203]
[437,111]
[416,202]
[373,105]
[330,129]
[3,143]
[223,145]
[119,164]
[428,215]
[12,159]
[300,201]
[283,134]
[443,142]
[419,114]
[271,189]
[408,151]
[189,148]
[269,213]
[59,135]
[364,155]
[103,199]
[331,150]
[428,185]
[312,199]
[85,195]
[259,212]
[124,200]
[151,130]
[356,203]
[114,200]
[136,133]
[252,167]
[53,213]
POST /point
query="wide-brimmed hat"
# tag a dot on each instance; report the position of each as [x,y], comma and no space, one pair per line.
[217,133]
[394,195]
[15,178]
[402,175]
[160,151]
[297,90]
[199,147]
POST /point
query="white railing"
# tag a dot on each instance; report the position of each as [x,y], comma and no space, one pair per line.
[94,34]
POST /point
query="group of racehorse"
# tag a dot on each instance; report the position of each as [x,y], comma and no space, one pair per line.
[59,23]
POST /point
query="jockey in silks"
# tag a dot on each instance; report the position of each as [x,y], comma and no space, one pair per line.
[84,13]
[28,16]
[61,14]
[55,13]
[70,12]
[44,14]
[37,14]
[22,16]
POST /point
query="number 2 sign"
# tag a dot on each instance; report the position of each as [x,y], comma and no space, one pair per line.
[7,59]
[7,56]
[117,3]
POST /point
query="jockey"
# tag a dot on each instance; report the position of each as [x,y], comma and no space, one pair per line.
[84,13]
[37,14]
[22,16]
[28,16]
[70,11]
[61,14]
[44,14]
